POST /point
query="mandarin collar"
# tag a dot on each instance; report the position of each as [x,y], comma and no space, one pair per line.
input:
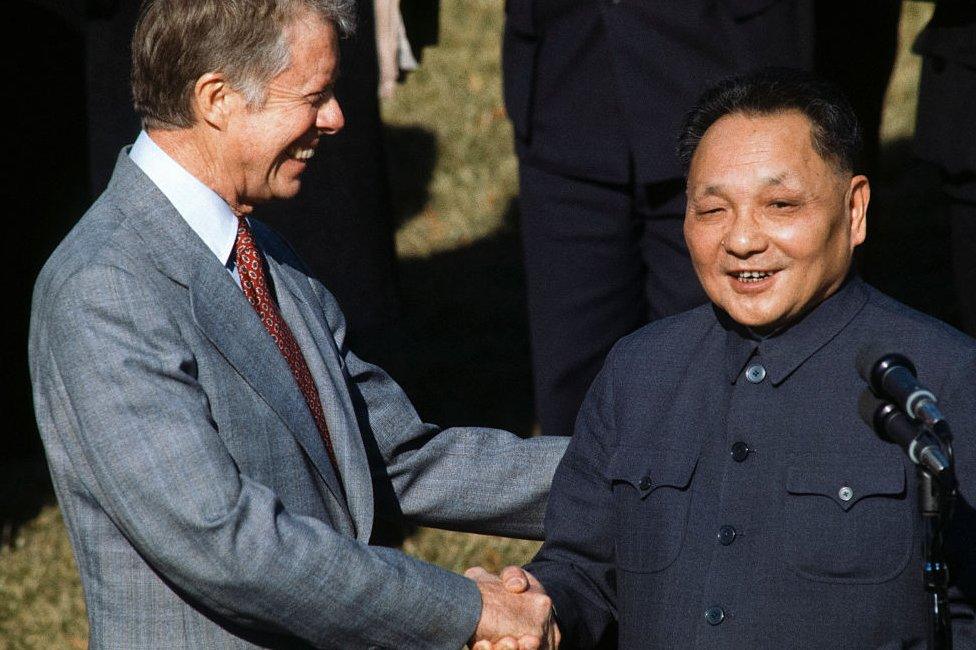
[786,349]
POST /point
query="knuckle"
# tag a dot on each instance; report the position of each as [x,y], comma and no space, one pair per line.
[542,602]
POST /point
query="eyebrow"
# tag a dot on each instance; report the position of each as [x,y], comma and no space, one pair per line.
[778,179]
[327,87]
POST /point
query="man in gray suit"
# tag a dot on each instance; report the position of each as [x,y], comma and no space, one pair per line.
[218,452]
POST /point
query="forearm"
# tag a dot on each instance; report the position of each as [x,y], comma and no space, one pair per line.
[479,480]
[264,568]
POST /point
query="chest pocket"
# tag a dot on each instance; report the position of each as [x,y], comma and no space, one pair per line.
[651,497]
[848,522]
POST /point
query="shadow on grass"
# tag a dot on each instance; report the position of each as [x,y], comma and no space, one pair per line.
[466,354]
[411,154]
[25,488]
[460,348]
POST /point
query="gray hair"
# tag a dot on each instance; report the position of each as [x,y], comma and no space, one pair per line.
[178,41]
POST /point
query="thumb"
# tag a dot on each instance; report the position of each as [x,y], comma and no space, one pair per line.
[515,579]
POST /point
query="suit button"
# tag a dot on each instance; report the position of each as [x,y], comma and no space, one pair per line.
[726,535]
[740,451]
[755,373]
[645,483]
[714,615]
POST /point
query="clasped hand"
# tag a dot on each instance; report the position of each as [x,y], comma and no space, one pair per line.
[516,613]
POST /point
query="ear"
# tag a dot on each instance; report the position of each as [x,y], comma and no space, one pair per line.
[214,100]
[859,195]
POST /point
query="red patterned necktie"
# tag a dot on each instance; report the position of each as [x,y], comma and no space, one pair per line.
[250,266]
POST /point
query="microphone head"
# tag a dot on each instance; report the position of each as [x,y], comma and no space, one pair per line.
[884,418]
[867,407]
[875,359]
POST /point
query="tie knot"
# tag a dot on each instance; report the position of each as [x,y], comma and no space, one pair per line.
[245,239]
[243,227]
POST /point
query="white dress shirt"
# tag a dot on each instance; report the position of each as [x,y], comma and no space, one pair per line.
[206,213]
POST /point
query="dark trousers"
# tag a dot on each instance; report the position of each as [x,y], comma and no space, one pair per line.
[962,224]
[600,260]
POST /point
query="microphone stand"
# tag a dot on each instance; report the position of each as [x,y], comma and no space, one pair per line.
[936,498]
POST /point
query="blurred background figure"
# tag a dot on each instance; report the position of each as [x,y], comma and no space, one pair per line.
[945,135]
[596,92]
[393,50]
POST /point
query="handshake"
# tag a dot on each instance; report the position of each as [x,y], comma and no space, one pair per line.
[516,613]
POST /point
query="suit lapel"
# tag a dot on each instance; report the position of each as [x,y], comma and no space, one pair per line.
[230,322]
[339,412]
[219,308]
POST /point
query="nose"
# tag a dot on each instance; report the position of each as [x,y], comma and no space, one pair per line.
[745,236]
[330,119]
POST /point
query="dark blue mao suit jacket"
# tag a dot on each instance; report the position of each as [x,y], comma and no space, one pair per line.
[722,491]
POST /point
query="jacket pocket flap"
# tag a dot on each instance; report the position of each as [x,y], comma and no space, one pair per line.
[647,471]
[847,483]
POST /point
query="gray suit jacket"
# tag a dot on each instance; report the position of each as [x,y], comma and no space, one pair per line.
[200,502]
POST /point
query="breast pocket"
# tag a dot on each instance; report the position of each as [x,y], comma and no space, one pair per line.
[651,497]
[848,522]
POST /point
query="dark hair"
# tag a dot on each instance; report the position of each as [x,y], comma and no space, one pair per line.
[834,126]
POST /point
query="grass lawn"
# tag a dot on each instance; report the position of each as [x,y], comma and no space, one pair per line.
[464,310]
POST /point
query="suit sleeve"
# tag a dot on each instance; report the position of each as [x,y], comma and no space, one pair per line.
[959,404]
[575,565]
[118,367]
[463,478]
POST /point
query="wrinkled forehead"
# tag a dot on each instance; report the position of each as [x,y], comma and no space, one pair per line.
[758,150]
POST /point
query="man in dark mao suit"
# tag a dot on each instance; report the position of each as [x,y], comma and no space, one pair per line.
[721,489]
[595,92]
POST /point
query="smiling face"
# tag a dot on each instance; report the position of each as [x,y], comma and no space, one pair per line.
[265,149]
[771,226]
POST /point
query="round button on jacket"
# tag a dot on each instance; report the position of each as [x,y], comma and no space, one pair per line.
[726,535]
[714,615]
[740,451]
[645,483]
[755,373]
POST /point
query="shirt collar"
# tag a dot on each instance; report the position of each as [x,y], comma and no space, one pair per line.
[785,350]
[206,213]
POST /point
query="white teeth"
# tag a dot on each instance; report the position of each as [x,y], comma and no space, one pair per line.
[301,154]
[752,276]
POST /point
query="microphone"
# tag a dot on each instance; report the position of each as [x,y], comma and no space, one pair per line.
[922,445]
[892,376]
